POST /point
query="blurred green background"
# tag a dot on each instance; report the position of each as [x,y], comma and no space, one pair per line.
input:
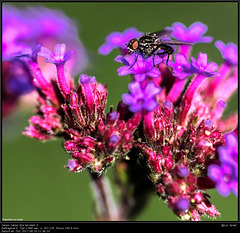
[35,186]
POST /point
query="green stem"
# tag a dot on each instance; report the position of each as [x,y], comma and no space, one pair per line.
[106,208]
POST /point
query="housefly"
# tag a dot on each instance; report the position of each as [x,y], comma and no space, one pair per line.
[151,43]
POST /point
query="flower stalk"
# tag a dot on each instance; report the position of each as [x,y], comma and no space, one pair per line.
[106,209]
[62,81]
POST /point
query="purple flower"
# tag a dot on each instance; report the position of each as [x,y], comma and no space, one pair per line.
[182,171]
[114,139]
[225,178]
[179,66]
[118,40]
[193,34]
[19,79]
[201,66]
[58,57]
[229,52]
[28,52]
[112,116]
[229,153]
[167,104]
[141,99]
[73,165]
[87,79]
[142,68]
[182,204]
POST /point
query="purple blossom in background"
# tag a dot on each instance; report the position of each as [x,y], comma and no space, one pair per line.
[27,27]
[141,99]
[226,174]
[118,40]
[203,67]
[22,30]
[229,153]
[229,52]
[142,68]
[193,34]
[20,79]
[225,178]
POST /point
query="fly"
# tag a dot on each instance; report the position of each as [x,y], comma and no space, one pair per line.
[150,43]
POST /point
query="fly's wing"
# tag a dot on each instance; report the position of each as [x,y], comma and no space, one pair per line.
[162,33]
[174,42]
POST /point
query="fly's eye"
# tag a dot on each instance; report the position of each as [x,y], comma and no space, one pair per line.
[134,44]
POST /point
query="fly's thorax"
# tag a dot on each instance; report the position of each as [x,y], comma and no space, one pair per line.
[147,44]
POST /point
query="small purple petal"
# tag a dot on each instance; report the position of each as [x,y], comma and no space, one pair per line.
[202,60]
[68,55]
[153,73]
[118,40]
[211,67]
[138,65]
[59,51]
[229,153]
[182,204]
[114,38]
[46,53]
[35,52]
[181,67]
[73,165]
[86,79]
[208,123]
[150,105]
[135,89]
[167,104]
[224,176]
[197,29]
[193,34]
[229,52]
[140,77]
[113,115]
[183,171]
[201,66]
[179,30]
[223,189]
[105,49]
[127,98]
[122,59]
[151,90]
[214,172]
[122,71]
[139,98]
[135,108]
[114,138]
[58,57]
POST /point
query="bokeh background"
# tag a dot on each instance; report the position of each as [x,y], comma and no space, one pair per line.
[35,184]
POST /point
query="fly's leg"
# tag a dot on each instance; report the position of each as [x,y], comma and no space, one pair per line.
[134,62]
[167,50]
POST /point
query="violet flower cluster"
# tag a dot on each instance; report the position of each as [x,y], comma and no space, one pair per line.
[22,29]
[171,119]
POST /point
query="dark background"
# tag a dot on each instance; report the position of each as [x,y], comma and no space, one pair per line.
[35,184]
